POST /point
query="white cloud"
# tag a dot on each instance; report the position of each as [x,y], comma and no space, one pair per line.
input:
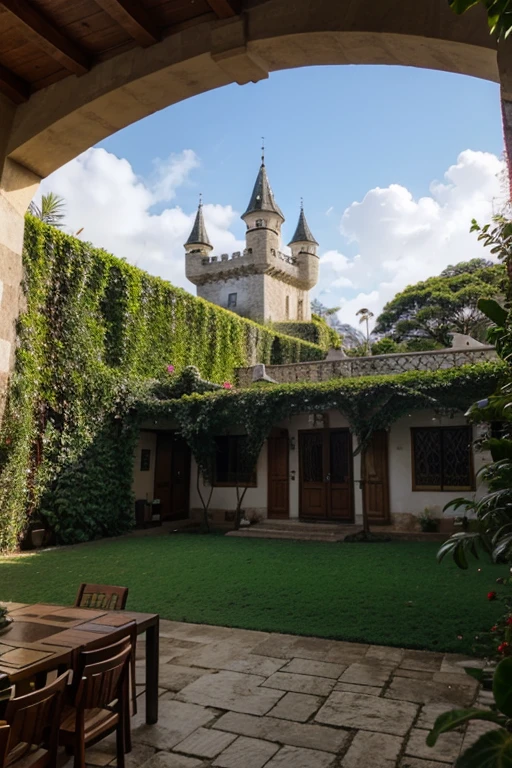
[399,239]
[114,206]
[402,240]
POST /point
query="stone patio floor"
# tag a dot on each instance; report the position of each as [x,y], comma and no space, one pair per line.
[234,698]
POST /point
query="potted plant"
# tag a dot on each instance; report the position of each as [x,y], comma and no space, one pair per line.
[5,621]
[427,522]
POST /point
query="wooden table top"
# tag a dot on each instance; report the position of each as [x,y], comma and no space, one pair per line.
[43,637]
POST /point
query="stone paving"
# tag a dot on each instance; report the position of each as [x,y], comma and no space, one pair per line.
[233,698]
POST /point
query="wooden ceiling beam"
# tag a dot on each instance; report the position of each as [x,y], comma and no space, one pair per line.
[134,18]
[41,32]
[12,86]
[224,9]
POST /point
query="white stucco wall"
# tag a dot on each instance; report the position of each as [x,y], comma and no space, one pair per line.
[402,498]
[143,482]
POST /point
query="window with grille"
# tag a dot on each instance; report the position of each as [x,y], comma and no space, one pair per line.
[230,464]
[145,459]
[231,300]
[287,307]
[442,459]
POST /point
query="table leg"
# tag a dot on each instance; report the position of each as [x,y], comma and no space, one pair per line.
[152,660]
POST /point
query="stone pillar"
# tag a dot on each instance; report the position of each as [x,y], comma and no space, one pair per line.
[17,187]
[505,71]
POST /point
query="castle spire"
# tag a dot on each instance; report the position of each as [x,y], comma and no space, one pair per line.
[199,235]
[262,198]
[302,232]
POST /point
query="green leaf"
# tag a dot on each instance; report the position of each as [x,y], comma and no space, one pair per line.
[493,311]
[461,6]
[502,686]
[448,721]
[475,672]
[492,750]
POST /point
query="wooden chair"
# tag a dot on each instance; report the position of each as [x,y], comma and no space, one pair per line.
[102,596]
[30,736]
[105,643]
[99,706]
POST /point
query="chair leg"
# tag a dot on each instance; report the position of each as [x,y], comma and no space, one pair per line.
[120,742]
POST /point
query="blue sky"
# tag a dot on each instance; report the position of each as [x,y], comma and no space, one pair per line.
[333,135]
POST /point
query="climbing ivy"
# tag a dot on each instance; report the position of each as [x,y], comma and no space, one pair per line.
[369,403]
[316,332]
[94,328]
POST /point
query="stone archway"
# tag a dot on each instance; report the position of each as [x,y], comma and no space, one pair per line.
[63,119]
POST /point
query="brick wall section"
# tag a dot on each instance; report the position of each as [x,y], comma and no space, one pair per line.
[371,366]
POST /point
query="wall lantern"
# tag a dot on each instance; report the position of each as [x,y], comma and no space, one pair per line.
[292,443]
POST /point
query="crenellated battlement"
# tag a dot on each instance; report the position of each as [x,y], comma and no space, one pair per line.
[246,252]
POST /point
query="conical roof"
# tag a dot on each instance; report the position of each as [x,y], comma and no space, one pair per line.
[199,236]
[302,232]
[262,198]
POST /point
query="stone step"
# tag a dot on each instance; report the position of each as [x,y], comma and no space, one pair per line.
[262,532]
[299,525]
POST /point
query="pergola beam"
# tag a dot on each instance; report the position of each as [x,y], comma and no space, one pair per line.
[12,86]
[134,18]
[224,9]
[41,32]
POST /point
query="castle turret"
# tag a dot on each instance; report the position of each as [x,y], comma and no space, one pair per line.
[197,248]
[198,240]
[263,218]
[304,251]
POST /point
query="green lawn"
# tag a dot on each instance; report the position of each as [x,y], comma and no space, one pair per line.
[387,593]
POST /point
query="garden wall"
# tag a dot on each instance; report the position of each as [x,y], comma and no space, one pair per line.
[94,329]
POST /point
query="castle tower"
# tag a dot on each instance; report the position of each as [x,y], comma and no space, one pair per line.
[261,283]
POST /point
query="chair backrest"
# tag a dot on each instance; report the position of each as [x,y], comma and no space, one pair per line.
[102,596]
[34,719]
[102,683]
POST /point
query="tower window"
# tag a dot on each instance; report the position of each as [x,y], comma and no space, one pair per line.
[231,300]
[260,222]
[300,310]
[287,307]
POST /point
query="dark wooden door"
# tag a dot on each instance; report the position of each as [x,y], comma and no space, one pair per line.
[172,476]
[340,475]
[375,475]
[312,474]
[326,474]
[278,485]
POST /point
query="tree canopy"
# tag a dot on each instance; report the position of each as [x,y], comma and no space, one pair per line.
[434,308]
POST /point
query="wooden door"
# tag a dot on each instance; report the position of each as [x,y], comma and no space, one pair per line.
[375,476]
[278,505]
[312,474]
[180,480]
[340,475]
[172,476]
[326,474]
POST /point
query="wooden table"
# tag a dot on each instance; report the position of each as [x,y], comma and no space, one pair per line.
[43,638]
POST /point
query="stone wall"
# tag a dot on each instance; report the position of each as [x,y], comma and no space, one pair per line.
[371,366]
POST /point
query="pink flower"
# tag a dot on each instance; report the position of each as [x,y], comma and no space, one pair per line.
[227,385]
[170,369]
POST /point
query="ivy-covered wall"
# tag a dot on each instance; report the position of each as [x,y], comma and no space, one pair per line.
[94,329]
[315,332]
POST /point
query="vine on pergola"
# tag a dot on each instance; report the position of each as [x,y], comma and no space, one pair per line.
[368,403]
